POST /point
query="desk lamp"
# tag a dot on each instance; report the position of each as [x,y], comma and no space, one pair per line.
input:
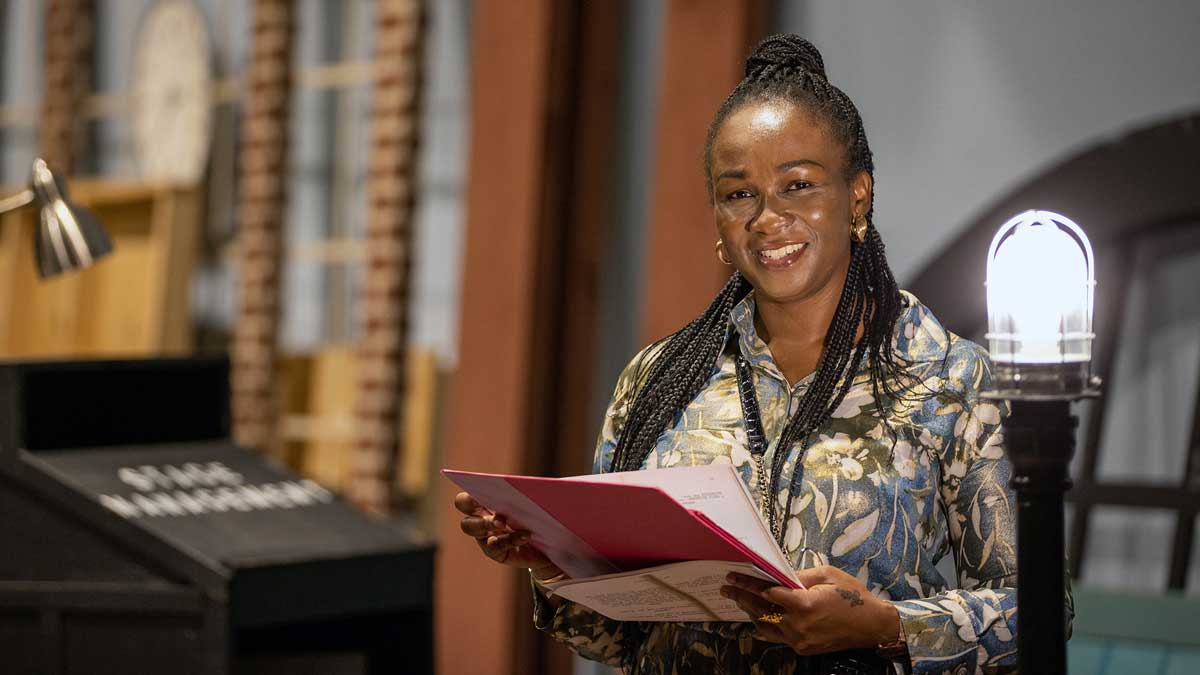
[68,236]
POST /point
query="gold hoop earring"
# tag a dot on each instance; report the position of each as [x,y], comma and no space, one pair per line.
[721,253]
[858,229]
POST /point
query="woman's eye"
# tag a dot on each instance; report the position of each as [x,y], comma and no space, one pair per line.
[738,194]
[799,185]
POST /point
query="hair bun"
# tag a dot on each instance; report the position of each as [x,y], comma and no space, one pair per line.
[784,50]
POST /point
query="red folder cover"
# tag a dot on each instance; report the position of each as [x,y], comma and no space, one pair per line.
[630,526]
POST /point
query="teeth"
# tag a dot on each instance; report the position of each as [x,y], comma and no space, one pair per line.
[780,253]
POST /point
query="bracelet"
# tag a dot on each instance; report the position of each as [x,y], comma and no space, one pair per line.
[893,650]
[558,577]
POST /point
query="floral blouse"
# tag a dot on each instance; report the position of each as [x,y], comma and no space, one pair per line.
[884,513]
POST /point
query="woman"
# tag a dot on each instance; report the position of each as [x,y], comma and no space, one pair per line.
[871,452]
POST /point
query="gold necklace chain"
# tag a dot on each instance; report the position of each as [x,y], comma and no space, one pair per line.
[765,502]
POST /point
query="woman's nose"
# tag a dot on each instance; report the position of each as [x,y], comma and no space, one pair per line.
[768,221]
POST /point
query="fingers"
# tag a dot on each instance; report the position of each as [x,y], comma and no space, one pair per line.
[484,526]
[480,522]
[792,600]
[495,537]
[475,527]
[769,632]
[466,503]
[753,604]
[817,575]
[750,603]
[771,593]
[499,547]
[748,583]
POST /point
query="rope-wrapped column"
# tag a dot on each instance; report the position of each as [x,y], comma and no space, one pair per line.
[262,203]
[66,70]
[383,300]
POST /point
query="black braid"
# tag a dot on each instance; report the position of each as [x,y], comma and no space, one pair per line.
[786,68]
[677,376]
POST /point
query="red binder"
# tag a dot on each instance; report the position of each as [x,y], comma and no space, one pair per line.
[628,526]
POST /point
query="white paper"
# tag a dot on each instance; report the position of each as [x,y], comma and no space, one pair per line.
[684,591]
[717,491]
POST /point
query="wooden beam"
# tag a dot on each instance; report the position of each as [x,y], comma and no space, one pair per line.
[577,200]
[543,103]
[476,622]
[706,42]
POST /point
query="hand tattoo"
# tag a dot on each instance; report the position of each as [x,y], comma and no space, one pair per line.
[853,597]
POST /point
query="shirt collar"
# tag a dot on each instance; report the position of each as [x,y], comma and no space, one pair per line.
[752,347]
[919,337]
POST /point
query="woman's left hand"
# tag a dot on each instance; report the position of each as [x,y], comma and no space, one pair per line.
[834,612]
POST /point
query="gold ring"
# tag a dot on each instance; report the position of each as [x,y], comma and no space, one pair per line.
[773,618]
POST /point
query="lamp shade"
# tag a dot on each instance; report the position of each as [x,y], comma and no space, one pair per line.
[1040,290]
[68,235]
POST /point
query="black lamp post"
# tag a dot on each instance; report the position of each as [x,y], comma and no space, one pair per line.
[1040,289]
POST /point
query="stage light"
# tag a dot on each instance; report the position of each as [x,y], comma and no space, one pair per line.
[1040,290]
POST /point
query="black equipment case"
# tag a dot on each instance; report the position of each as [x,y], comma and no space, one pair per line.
[135,537]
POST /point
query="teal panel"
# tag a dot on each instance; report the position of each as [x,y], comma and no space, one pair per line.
[1134,634]
[1103,656]
[1131,658]
[1087,656]
[1183,661]
[1168,618]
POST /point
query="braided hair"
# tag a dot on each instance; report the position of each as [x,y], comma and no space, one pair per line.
[784,68]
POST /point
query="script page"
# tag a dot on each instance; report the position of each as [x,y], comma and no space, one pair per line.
[686,591]
[718,492]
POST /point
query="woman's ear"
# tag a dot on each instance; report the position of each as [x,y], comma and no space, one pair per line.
[860,191]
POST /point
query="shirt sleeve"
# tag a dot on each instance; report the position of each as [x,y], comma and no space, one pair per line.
[972,628]
[589,634]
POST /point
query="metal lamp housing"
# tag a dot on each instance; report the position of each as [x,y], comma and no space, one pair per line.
[1040,290]
[68,236]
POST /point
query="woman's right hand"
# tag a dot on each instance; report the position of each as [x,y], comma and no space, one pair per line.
[500,542]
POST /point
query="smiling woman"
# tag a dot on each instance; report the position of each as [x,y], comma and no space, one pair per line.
[851,414]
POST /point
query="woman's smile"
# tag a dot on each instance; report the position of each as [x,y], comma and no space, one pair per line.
[780,256]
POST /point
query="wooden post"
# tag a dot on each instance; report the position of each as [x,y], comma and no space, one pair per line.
[542,114]
[706,44]
[383,300]
[261,208]
[490,414]
[68,38]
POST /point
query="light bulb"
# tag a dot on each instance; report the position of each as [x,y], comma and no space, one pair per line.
[1040,281]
